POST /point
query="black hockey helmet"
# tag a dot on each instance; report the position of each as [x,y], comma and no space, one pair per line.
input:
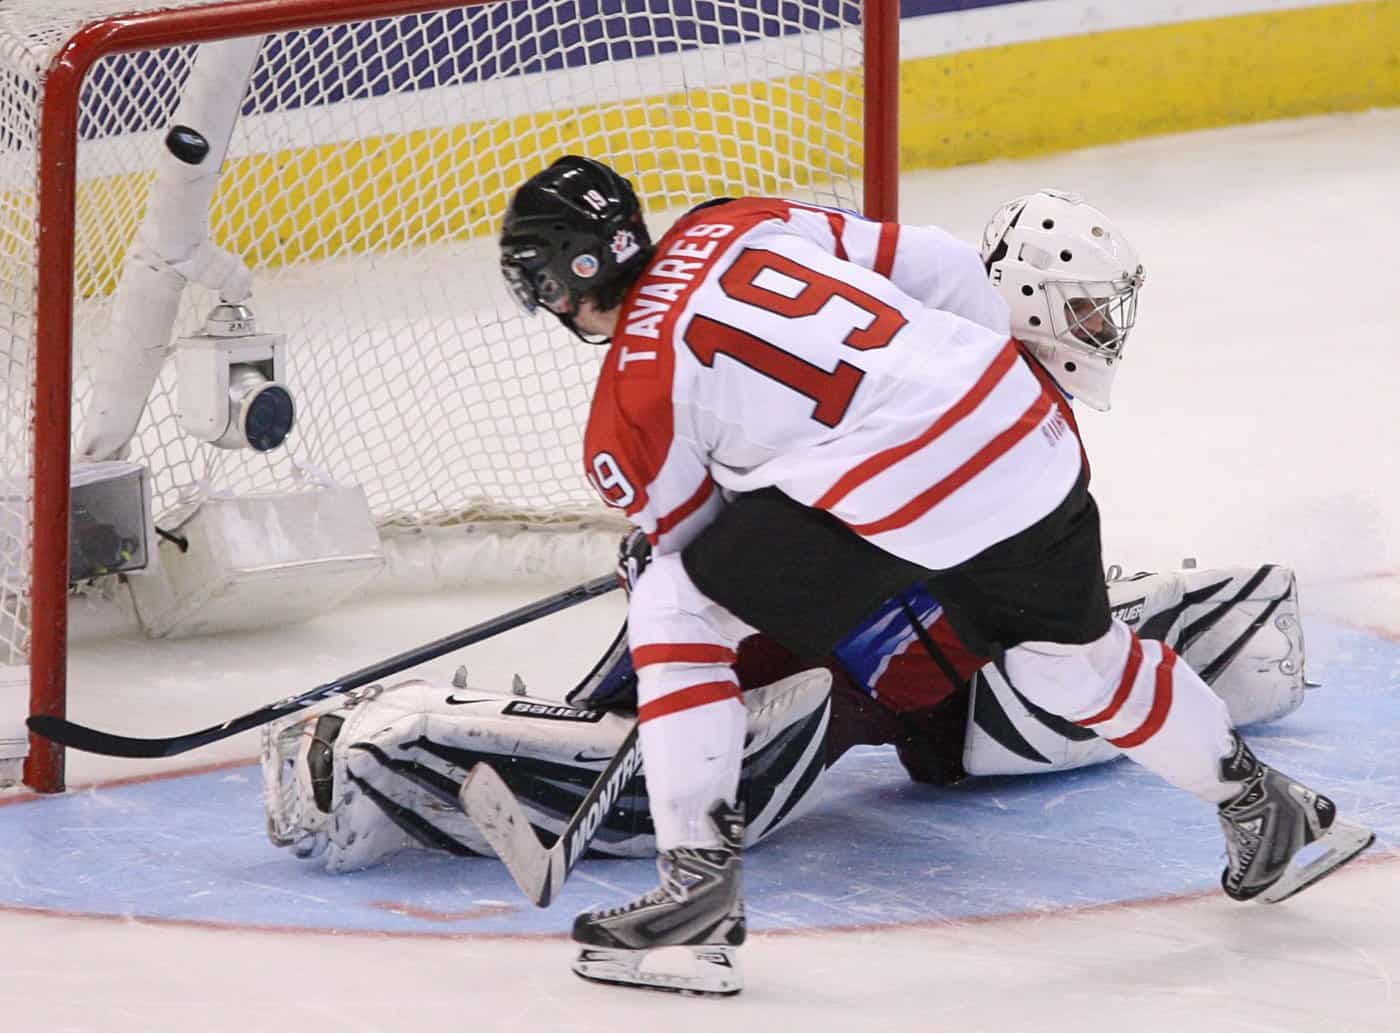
[571,231]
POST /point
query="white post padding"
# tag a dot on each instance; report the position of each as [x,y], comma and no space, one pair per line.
[172,248]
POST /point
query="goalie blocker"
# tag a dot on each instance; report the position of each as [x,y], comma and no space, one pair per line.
[360,778]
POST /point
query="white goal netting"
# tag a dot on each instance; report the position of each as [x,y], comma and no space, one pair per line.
[364,182]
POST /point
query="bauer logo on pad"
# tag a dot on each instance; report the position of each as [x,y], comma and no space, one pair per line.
[1129,613]
[551,712]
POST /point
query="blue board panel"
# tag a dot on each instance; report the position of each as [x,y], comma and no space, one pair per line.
[453,47]
[916,8]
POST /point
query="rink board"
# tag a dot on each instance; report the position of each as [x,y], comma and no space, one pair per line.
[877,852]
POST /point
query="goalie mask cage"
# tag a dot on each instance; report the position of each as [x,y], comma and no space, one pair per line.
[369,163]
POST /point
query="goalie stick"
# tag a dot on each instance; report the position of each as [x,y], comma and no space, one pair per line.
[91,740]
[538,870]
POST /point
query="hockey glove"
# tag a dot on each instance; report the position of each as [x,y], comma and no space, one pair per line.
[633,555]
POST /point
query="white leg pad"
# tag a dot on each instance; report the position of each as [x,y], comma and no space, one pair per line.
[1238,627]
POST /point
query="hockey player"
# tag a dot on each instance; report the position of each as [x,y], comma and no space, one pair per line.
[360,779]
[809,414]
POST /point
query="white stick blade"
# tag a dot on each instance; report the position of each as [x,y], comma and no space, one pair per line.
[488,801]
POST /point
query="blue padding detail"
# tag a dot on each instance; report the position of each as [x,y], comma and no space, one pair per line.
[864,652]
[878,850]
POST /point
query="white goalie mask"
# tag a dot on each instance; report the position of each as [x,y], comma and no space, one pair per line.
[1071,282]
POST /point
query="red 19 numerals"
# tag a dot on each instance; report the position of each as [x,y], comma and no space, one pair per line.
[831,391]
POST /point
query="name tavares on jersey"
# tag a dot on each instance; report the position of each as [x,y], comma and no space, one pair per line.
[666,280]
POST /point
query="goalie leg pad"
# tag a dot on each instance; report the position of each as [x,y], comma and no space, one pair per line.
[1238,627]
[297,760]
[785,758]
[401,754]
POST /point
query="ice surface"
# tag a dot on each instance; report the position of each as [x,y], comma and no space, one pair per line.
[1254,421]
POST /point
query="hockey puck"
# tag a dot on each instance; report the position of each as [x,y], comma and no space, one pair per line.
[189,145]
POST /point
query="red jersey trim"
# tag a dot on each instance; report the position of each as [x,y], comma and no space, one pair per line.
[688,699]
[1161,705]
[1125,686]
[632,415]
[1043,375]
[886,248]
[672,519]
[682,653]
[989,453]
[837,222]
[882,461]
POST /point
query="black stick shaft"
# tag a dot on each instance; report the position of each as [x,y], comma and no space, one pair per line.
[91,740]
[602,798]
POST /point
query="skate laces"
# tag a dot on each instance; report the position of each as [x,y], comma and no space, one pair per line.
[673,890]
[1241,843]
[683,869]
[672,884]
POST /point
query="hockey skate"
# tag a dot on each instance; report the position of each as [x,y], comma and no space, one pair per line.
[698,907]
[1271,823]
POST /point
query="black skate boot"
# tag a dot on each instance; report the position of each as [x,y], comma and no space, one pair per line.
[699,906]
[1269,822]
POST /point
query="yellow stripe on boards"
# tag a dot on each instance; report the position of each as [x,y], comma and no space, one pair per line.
[1060,94]
[399,191]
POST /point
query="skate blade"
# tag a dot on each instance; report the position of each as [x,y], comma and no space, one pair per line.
[710,971]
[1340,843]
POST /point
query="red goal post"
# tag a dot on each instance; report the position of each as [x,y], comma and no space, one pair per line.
[66,85]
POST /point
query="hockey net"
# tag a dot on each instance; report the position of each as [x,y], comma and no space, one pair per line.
[365,178]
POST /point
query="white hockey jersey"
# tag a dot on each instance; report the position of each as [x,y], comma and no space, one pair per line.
[771,343]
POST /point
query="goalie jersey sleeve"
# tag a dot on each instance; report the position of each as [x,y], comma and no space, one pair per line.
[758,349]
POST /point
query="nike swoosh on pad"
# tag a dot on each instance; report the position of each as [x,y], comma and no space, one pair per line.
[584,757]
[462,702]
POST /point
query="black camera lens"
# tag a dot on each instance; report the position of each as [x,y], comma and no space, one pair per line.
[268,418]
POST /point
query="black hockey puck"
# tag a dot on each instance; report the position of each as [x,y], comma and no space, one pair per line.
[189,145]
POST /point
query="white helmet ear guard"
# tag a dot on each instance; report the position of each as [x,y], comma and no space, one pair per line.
[1071,281]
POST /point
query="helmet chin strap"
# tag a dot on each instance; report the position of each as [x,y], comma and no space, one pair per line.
[593,339]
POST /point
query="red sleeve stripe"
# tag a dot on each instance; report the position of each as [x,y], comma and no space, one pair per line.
[837,222]
[920,504]
[682,653]
[669,521]
[1161,705]
[1125,687]
[688,699]
[882,461]
[885,249]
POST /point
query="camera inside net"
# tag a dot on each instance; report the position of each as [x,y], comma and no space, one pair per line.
[231,387]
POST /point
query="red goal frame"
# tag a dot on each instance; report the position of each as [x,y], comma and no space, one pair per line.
[57,194]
